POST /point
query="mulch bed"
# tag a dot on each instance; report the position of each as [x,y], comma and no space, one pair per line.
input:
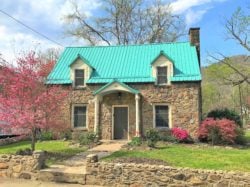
[140,161]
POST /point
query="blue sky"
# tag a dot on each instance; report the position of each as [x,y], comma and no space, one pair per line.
[46,17]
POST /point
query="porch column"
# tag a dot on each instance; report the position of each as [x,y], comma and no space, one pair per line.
[137,115]
[96,126]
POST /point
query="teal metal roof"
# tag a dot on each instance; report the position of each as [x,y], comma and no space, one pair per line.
[132,90]
[128,64]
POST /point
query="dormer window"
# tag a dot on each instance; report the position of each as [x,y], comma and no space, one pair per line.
[80,71]
[79,78]
[162,69]
[162,75]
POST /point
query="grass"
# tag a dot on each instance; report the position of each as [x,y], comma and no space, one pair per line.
[217,158]
[58,150]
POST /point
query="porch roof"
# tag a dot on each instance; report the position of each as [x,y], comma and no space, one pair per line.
[115,85]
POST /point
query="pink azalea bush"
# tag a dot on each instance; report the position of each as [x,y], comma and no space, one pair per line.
[180,134]
[218,131]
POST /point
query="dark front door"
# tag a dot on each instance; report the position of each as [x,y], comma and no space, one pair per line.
[120,122]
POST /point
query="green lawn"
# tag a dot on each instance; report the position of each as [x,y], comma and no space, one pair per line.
[58,150]
[194,157]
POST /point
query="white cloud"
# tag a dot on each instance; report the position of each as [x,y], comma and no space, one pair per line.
[193,17]
[180,6]
[193,10]
[14,44]
[44,16]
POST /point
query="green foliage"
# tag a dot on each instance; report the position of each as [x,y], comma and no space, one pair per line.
[136,141]
[25,151]
[46,135]
[217,92]
[152,137]
[67,134]
[241,139]
[227,114]
[247,136]
[88,138]
[168,138]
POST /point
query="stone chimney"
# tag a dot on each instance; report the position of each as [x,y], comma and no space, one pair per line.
[194,38]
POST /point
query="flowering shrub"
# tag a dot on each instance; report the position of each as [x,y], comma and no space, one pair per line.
[179,133]
[152,137]
[218,131]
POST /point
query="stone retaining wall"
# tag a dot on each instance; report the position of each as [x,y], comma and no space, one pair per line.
[17,166]
[139,175]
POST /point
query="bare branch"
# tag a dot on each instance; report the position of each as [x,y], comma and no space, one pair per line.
[127,22]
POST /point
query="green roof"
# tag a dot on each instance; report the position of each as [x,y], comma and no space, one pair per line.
[129,64]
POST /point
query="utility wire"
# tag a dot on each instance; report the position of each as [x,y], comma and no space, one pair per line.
[23,24]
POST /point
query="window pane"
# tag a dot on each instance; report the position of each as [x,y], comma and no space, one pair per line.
[161,116]
[161,75]
[80,116]
[79,73]
[79,77]
[162,79]
[162,71]
[79,81]
[80,110]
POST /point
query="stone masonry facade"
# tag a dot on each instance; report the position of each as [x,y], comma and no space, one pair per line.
[183,99]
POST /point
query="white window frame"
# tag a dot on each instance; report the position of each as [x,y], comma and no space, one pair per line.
[73,116]
[169,115]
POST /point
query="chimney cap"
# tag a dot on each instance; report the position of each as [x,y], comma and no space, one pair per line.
[193,28]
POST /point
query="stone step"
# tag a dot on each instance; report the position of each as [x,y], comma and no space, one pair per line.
[62,177]
[61,173]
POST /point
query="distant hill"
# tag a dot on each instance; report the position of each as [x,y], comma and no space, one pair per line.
[217,92]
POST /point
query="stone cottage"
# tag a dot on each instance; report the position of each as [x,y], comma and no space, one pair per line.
[121,91]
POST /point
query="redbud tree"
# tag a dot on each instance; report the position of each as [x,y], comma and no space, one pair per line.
[26,102]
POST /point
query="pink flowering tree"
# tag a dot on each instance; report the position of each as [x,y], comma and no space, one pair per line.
[26,102]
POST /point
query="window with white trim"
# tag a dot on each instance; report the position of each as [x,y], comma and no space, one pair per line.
[79,77]
[161,116]
[79,116]
[162,75]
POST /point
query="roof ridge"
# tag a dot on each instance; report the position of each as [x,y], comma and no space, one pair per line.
[130,45]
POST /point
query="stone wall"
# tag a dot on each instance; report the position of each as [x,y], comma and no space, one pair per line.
[17,166]
[140,175]
[183,99]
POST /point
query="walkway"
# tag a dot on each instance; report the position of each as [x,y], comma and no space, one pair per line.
[73,169]
[30,183]
[103,150]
